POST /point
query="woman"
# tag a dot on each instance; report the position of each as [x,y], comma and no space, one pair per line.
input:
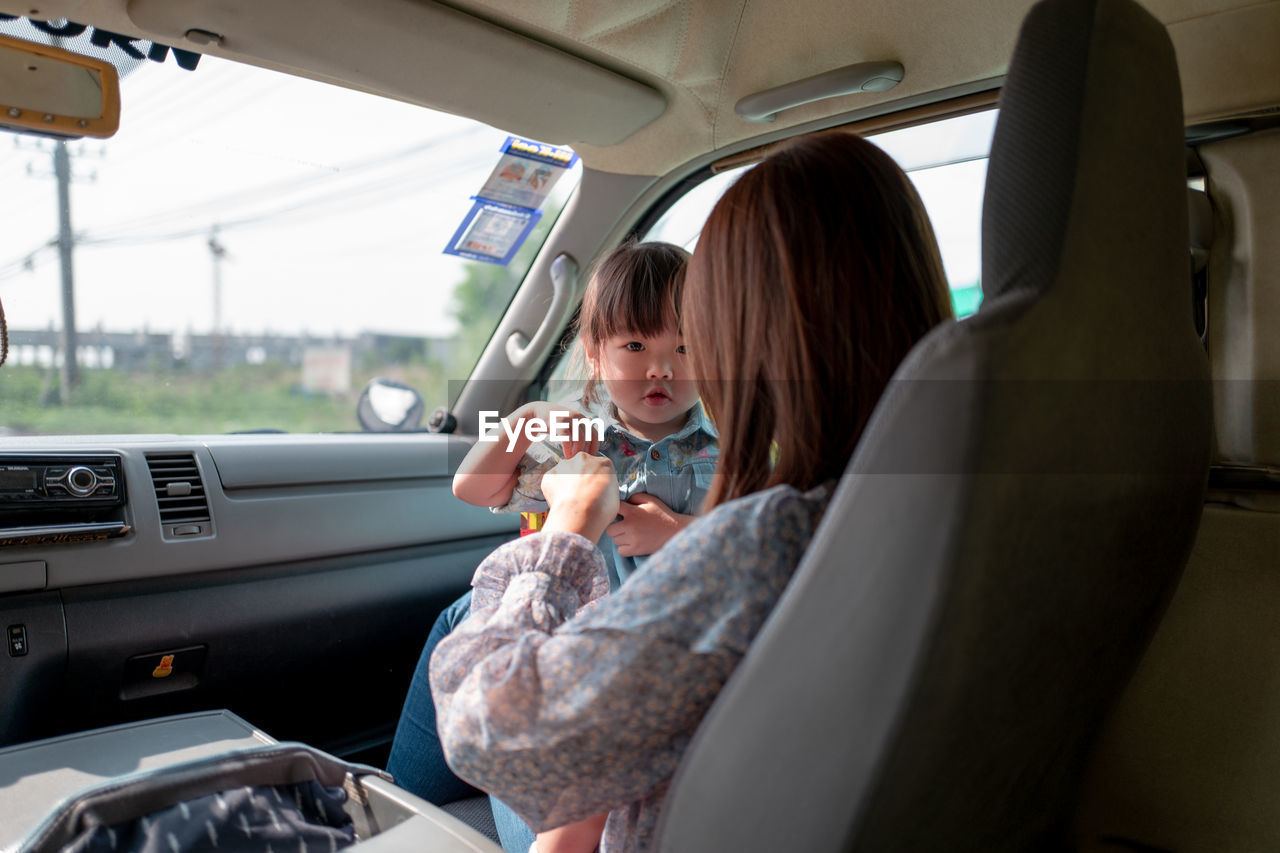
[814,276]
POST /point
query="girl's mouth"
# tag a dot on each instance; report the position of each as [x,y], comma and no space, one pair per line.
[657,397]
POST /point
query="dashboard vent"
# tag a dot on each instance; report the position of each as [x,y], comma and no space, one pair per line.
[179,491]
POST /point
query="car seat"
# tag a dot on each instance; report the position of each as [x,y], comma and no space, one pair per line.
[1017,512]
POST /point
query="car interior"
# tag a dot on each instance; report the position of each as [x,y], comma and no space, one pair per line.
[1038,613]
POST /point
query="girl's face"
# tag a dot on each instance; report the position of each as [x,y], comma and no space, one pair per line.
[647,378]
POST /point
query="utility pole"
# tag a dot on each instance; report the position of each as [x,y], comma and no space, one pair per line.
[217,252]
[69,375]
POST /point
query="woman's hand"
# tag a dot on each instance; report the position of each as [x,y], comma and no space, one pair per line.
[646,525]
[582,492]
[580,837]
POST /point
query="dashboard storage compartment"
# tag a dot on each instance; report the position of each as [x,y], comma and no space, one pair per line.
[178,782]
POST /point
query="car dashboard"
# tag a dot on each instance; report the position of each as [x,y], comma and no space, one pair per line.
[259,572]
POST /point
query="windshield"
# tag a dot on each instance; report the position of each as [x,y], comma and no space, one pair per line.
[245,254]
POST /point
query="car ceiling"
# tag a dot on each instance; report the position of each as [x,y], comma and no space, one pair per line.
[644,86]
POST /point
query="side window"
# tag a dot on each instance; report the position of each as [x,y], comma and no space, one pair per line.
[947,162]
[244,255]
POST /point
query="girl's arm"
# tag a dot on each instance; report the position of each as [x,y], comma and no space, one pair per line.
[489,472]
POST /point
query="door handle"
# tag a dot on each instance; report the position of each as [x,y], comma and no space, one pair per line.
[564,280]
[852,79]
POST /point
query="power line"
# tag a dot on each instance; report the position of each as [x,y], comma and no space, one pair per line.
[27,262]
[340,197]
[344,196]
[212,208]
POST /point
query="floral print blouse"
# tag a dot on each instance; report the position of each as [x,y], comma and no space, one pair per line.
[565,716]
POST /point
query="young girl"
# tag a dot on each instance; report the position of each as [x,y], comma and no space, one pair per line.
[657,436]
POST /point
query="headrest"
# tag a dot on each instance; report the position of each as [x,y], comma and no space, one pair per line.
[1086,135]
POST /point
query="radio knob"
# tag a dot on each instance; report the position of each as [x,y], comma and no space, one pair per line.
[81,481]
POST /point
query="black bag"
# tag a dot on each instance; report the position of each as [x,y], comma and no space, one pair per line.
[280,798]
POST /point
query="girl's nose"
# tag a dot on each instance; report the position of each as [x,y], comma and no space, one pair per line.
[660,368]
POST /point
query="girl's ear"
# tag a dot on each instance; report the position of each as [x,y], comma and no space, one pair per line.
[591,353]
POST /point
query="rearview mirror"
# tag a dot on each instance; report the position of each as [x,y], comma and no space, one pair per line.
[55,92]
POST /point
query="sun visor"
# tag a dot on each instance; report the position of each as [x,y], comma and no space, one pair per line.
[420,52]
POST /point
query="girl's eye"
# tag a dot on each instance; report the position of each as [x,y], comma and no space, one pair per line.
[681,349]
[635,346]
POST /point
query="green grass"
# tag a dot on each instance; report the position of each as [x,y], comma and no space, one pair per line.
[245,397]
[236,399]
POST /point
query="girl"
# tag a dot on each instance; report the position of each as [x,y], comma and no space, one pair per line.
[814,276]
[657,435]
[657,439]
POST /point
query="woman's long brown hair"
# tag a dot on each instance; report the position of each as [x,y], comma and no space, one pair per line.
[815,274]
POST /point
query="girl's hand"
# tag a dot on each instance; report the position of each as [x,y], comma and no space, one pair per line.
[588,441]
[582,492]
[590,447]
[646,525]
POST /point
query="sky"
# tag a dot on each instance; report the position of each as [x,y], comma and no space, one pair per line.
[951,192]
[333,207]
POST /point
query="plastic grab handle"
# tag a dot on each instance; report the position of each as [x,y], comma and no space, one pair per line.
[564,279]
[862,77]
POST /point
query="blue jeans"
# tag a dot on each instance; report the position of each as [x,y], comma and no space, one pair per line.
[417,761]
[514,834]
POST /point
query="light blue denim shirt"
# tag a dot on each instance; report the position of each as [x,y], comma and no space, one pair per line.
[676,469]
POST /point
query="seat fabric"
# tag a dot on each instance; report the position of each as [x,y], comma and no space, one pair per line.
[1017,511]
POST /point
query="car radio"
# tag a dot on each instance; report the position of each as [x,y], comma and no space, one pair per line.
[58,499]
[29,483]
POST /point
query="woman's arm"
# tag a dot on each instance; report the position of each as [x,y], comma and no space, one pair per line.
[545,719]
[563,719]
